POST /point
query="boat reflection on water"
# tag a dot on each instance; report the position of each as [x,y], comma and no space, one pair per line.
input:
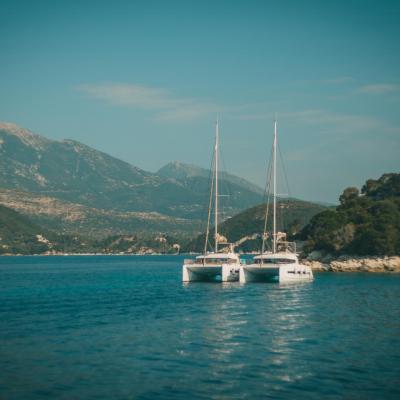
[272,331]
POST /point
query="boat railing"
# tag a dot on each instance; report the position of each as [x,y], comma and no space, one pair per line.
[211,261]
[284,246]
[230,261]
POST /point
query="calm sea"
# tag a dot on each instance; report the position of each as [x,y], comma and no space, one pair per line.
[126,328]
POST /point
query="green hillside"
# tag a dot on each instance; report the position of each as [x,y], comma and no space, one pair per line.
[13,224]
[365,223]
[292,216]
[72,218]
[18,234]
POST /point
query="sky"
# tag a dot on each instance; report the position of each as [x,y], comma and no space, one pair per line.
[144,81]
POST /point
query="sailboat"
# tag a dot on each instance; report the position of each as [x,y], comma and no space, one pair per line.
[222,262]
[280,264]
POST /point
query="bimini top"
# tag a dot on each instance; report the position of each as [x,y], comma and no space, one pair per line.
[283,257]
[218,258]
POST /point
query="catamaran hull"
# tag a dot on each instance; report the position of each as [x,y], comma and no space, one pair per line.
[282,274]
[201,273]
[230,273]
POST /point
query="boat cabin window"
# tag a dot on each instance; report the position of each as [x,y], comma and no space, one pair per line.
[274,261]
[215,260]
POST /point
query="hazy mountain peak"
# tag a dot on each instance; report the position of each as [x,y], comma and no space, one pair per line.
[24,135]
[180,171]
[79,147]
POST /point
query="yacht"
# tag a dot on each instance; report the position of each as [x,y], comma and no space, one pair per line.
[280,263]
[222,262]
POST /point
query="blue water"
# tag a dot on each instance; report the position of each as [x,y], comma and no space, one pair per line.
[127,328]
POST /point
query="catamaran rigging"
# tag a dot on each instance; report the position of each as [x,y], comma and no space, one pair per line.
[281,264]
[217,263]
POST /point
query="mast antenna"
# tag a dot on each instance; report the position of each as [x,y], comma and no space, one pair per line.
[274,187]
[216,183]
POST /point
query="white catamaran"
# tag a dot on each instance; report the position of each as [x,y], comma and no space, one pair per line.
[281,263]
[222,262]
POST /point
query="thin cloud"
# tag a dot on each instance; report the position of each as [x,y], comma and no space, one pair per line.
[166,105]
[334,121]
[188,112]
[379,88]
[318,118]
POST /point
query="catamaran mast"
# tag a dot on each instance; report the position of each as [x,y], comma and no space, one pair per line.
[274,188]
[216,186]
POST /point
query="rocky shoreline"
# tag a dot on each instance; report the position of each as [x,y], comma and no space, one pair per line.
[318,263]
[350,263]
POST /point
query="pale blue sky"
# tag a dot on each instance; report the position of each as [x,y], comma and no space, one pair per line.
[143,81]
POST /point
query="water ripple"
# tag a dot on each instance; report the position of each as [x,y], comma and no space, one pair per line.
[126,327]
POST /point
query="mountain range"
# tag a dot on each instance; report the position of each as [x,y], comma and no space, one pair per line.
[80,188]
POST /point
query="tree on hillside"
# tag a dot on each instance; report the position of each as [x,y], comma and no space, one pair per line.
[366,223]
[387,186]
[350,194]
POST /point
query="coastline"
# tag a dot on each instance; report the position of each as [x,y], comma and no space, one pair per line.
[87,254]
[318,263]
[387,264]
